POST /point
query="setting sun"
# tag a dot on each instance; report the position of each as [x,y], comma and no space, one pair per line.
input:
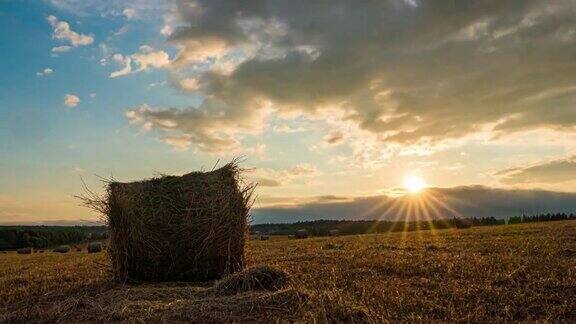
[414,184]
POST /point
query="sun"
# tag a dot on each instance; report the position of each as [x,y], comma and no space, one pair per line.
[414,184]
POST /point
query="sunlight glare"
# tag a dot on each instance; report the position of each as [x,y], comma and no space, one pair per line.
[414,184]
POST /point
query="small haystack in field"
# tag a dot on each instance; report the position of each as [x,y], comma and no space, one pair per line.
[301,234]
[260,277]
[334,232]
[186,228]
[24,251]
[94,247]
[62,249]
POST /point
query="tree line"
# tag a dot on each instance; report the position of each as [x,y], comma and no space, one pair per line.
[40,237]
[541,218]
[347,227]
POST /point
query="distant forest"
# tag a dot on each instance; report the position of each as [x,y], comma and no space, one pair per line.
[323,227]
[41,237]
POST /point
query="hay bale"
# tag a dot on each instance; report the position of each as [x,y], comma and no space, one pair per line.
[62,249]
[94,247]
[301,234]
[184,228]
[264,237]
[334,232]
[24,251]
[260,277]
[291,237]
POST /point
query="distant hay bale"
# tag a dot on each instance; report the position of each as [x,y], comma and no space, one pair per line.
[24,251]
[301,234]
[94,247]
[334,232]
[264,237]
[291,236]
[260,277]
[62,249]
[185,228]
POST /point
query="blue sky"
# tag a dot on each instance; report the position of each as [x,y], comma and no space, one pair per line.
[320,98]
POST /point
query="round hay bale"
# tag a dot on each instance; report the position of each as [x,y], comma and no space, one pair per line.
[301,234]
[188,228]
[94,247]
[260,277]
[62,249]
[264,237]
[334,232]
[24,251]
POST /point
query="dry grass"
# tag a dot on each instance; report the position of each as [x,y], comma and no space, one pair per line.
[506,273]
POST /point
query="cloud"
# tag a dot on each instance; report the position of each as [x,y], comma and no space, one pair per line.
[556,171]
[71,100]
[396,72]
[61,49]
[334,138]
[146,58]
[125,62]
[62,32]
[45,72]
[467,201]
[266,177]
[130,13]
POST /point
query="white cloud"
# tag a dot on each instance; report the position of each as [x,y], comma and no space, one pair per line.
[61,49]
[146,58]
[71,100]
[62,32]
[123,30]
[189,84]
[126,62]
[130,13]
[45,72]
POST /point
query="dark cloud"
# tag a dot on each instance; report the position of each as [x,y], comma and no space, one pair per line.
[405,71]
[265,182]
[556,171]
[469,201]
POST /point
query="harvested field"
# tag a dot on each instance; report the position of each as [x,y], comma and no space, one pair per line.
[506,273]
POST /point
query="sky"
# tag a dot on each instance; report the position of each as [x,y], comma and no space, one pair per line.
[330,103]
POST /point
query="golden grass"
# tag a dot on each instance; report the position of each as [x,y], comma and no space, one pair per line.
[506,273]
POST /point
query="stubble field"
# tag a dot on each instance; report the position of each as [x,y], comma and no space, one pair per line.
[502,273]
